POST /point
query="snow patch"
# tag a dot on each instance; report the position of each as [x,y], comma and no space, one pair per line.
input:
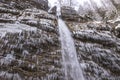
[7,60]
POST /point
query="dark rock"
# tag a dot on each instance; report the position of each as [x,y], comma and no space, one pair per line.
[24,4]
[117,31]
[69,14]
[6,20]
[40,4]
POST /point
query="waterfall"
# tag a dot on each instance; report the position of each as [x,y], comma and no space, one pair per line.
[71,66]
[70,62]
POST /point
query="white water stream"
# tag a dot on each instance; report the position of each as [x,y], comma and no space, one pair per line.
[71,66]
[70,62]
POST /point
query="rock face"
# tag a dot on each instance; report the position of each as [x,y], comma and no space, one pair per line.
[99,49]
[23,4]
[69,13]
[93,10]
[30,46]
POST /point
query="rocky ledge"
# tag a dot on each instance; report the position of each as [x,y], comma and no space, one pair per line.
[30,46]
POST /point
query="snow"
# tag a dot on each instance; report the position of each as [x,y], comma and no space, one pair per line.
[52,2]
[83,65]
[98,2]
[84,3]
[118,26]
[114,20]
[7,60]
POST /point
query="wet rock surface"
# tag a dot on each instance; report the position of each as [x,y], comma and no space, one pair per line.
[99,49]
[29,44]
[30,47]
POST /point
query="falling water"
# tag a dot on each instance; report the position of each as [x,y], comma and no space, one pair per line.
[70,62]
